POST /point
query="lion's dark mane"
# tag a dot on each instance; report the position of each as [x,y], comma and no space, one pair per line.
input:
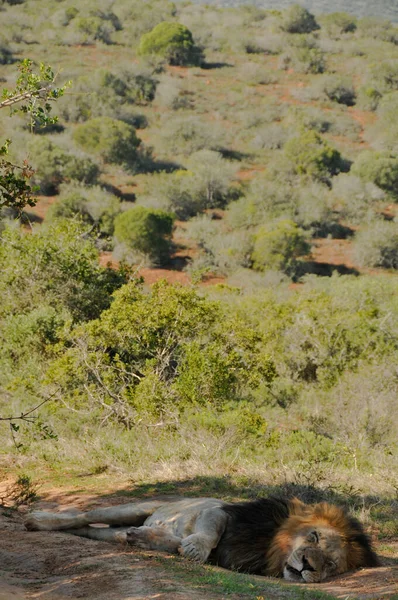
[252,527]
[250,530]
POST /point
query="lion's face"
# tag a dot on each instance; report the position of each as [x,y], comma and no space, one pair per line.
[317,552]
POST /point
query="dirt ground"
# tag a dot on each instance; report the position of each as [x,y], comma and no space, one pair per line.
[58,566]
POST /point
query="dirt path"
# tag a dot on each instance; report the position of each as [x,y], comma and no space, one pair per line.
[58,566]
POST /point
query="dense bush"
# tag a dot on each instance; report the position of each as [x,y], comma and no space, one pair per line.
[109,93]
[381,168]
[57,265]
[146,231]
[185,135]
[297,19]
[173,42]
[222,251]
[207,183]
[159,354]
[339,89]
[377,245]
[311,155]
[93,204]
[112,140]
[371,27]
[277,247]
[54,165]
[338,23]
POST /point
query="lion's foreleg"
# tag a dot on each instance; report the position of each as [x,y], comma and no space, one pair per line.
[153,538]
[209,527]
[102,534]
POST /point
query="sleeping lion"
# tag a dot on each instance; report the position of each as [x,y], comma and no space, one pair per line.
[280,538]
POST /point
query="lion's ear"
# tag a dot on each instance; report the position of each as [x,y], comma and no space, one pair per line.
[360,553]
[296,507]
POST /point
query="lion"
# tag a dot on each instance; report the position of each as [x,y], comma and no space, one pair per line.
[269,536]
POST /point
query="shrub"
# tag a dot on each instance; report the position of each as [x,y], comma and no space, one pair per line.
[270,137]
[57,265]
[339,89]
[311,155]
[383,135]
[207,183]
[146,231]
[95,206]
[377,245]
[297,19]
[371,27]
[114,141]
[173,42]
[355,199]
[185,135]
[277,247]
[368,98]
[264,200]
[335,24]
[53,165]
[223,251]
[5,52]
[97,26]
[159,354]
[381,168]
[305,60]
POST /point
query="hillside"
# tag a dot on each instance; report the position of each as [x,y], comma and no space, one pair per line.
[383,9]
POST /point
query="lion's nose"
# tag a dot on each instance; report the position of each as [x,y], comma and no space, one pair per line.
[306,565]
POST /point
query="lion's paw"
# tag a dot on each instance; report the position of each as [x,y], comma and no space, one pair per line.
[139,537]
[195,547]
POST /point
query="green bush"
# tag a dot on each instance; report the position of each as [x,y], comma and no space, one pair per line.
[159,354]
[277,247]
[56,265]
[173,42]
[381,168]
[112,140]
[371,27]
[377,245]
[94,205]
[185,135]
[53,165]
[311,155]
[297,19]
[146,231]
[339,89]
[337,23]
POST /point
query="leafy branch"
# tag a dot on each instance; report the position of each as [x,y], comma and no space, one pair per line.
[32,95]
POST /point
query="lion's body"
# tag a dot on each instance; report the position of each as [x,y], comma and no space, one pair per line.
[272,536]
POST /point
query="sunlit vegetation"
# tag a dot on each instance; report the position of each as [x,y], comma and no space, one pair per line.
[236,143]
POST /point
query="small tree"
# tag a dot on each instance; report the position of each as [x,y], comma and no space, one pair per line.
[53,165]
[93,204]
[338,23]
[377,245]
[114,141]
[146,231]
[381,168]
[311,155]
[339,89]
[173,42]
[277,246]
[297,19]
